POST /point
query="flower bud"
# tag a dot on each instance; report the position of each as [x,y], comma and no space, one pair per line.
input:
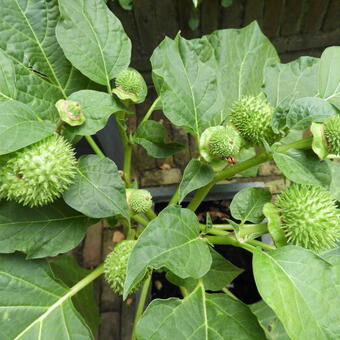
[115,266]
[252,116]
[309,217]
[70,112]
[139,200]
[130,85]
[38,174]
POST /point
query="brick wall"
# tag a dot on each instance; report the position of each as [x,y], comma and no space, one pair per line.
[295,27]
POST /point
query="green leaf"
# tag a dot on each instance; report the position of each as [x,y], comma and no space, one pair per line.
[304,111]
[27,37]
[212,316]
[329,75]
[303,167]
[151,135]
[7,78]
[41,232]
[274,224]
[35,305]
[93,39]
[241,55]
[248,203]
[297,285]
[98,190]
[186,81]
[221,273]
[97,108]
[245,155]
[284,83]
[20,126]
[66,269]
[196,175]
[170,241]
[226,3]
[269,321]
[335,184]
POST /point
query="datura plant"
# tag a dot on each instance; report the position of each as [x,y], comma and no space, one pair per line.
[65,69]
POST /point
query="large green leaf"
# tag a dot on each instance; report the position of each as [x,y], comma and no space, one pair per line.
[196,175]
[269,321]
[298,286]
[171,241]
[284,83]
[20,126]
[27,37]
[7,78]
[303,167]
[98,190]
[248,203]
[97,108]
[67,270]
[242,55]
[41,232]
[221,273]
[329,75]
[34,305]
[186,79]
[200,316]
[151,135]
[93,39]
[304,111]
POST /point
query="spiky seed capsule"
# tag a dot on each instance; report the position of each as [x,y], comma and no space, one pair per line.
[309,217]
[38,174]
[224,142]
[252,116]
[130,85]
[332,134]
[139,200]
[115,266]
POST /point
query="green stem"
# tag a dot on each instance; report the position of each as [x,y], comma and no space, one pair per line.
[151,215]
[151,109]
[140,220]
[141,304]
[94,146]
[127,229]
[257,243]
[184,291]
[248,229]
[215,231]
[224,226]
[175,197]
[229,172]
[228,240]
[228,292]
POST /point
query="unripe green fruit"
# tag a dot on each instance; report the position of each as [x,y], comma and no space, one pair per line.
[332,134]
[218,143]
[309,217]
[252,116]
[139,200]
[115,266]
[38,174]
[130,85]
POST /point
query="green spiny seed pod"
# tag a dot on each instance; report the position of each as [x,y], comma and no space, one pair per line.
[309,217]
[130,85]
[115,266]
[218,143]
[332,134]
[70,112]
[38,174]
[252,116]
[139,200]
